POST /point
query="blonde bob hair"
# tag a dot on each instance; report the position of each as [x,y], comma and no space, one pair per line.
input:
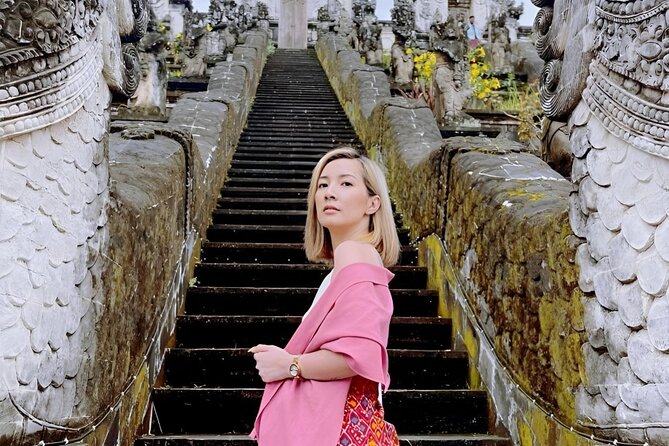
[382,231]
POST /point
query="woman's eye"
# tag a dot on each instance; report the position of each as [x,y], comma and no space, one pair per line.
[346,183]
[322,185]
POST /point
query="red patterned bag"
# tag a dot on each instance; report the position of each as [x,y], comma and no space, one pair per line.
[363,423]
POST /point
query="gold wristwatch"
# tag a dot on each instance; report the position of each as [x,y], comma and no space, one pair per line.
[294,368]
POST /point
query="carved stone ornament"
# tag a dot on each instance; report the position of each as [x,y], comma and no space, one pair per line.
[37,89]
[629,79]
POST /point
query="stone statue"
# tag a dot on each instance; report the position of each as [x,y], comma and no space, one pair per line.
[500,47]
[345,27]
[368,33]
[55,86]
[372,49]
[324,20]
[606,77]
[403,17]
[150,100]
[401,64]
[429,12]
[262,15]
[451,78]
[194,62]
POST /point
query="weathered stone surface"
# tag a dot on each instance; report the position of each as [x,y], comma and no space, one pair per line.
[595,406]
[637,232]
[652,272]
[648,363]
[369,86]
[347,61]
[601,236]
[606,289]
[628,385]
[599,167]
[622,257]
[594,319]
[499,205]
[633,305]
[616,334]
[658,324]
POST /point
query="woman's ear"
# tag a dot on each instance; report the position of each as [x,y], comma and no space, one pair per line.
[374,204]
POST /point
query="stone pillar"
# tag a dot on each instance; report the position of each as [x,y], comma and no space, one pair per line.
[161,9]
[177,11]
[387,39]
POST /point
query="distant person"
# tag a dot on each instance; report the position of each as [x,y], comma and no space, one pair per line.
[323,388]
[474,34]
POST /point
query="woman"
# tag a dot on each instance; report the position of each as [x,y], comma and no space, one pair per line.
[323,389]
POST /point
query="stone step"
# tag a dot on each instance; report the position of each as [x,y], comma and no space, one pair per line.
[264,156]
[272,91]
[278,213]
[255,234]
[272,164]
[285,275]
[328,126]
[270,173]
[299,146]
[298,108]
[293,301]
[260,217]
[244,440]
[226,252]
[267,234]
[261,204]
[272,131]
[253,284]
[313,92]
[235,367]
[279,138]
[200,331]
[413,412]
[295,111]
[274,183]
[264,192]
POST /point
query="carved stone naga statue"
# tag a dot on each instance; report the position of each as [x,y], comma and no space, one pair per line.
[55,81]
[607,77]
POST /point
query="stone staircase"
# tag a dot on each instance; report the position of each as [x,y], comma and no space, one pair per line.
[254,283]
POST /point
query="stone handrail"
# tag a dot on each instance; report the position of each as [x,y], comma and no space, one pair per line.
[151,267]
[492,224]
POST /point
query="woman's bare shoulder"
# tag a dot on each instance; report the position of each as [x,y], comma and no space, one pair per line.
[351,251]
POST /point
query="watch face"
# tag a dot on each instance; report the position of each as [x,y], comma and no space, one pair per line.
[293,370]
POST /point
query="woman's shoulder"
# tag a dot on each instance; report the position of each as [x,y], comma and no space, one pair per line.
[351,251]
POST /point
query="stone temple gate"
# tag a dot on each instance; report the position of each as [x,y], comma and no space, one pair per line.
[293,24]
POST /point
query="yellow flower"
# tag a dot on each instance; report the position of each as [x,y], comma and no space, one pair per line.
[409,51]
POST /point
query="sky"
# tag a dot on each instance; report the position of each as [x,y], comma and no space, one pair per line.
[525,20]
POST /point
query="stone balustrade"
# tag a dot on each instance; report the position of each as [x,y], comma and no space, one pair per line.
[165,179]
[492,224]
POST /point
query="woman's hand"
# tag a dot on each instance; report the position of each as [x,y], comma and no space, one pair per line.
[272,362]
